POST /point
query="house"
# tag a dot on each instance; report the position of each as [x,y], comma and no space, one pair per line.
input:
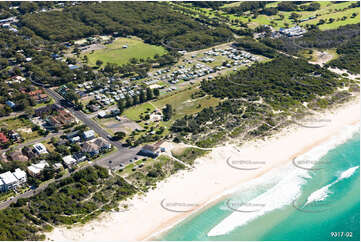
[102,144]
[80,156]
[41,98]
[2,186]
[90,148]
[149,150]
[75,139]
[61,119]
[58,166]
[73,67]
[69,161]
[36,169]
[71,135]
[9,180]
[88,135]
[47,109]
[17,155]
[20,175]
[3,138]
[40,149]
[10,103]
[15,136]
[102,114]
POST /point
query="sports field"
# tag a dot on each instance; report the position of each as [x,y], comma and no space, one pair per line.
[122,50]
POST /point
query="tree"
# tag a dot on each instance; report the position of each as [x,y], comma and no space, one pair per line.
[156,92]
[99,62]
[121,106]
[141,96]
[149,94]
[167,112]
[118,135]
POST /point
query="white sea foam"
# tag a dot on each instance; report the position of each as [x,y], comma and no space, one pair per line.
[289,188]
[348,173]
[319,195]
[318,152]
[283,193]
[322,193]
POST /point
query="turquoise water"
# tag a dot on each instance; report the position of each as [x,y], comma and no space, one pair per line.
[333,211]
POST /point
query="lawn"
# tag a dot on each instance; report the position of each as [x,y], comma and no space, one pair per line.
[115,53]
[134,112]
[183,103]
[327,10]
[21,125]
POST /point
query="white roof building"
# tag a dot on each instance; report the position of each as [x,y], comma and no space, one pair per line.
[20,175]
[9,180]
[40,149]
[89,134]
[36,169]
[69,160]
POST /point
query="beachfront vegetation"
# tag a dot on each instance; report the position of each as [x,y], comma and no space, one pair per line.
[346,39]
[146,176]
[76,199]
[258,100]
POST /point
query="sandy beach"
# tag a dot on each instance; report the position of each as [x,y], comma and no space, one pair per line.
[212,177]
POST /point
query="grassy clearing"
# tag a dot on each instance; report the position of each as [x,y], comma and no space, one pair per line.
[134,112]
[22,126]
[183,104]
[115,53]
[327,10]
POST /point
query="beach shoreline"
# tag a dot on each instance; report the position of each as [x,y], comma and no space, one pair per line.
[211,180]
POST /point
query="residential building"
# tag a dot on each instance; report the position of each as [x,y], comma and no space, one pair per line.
[40,149]
[9,180]
[88,135]
[90,148]
[3,138]
[102,144]
[36,169]
[69,161]
[80,156]
[2,186]
[20,175]
[58,166]
[10,104]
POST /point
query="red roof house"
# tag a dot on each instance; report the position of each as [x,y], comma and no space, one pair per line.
[3,138]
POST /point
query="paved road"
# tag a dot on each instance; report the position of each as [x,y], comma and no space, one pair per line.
[86,120]
[124,152]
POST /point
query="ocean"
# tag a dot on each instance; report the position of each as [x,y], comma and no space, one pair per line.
[316,197]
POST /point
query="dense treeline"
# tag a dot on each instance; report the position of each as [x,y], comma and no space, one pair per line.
[315,39]
[255,47]
[349,58]
[154,22]
[281,82]
[209,4]
[68,201]
[251,96]
[345,38]
[247,6]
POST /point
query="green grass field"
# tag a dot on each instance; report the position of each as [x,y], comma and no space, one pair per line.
[183,103]
[115,53]
[327,10]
